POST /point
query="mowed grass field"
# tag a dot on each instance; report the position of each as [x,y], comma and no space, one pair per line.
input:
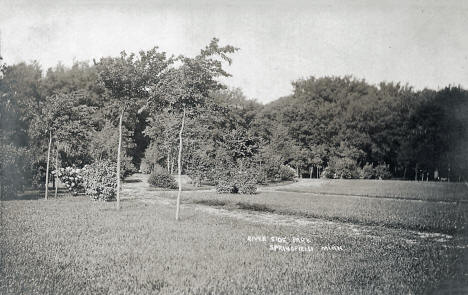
[73,245]
[408,190]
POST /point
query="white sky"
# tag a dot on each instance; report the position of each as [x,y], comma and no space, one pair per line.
[423,43]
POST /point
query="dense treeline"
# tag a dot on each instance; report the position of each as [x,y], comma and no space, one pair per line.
[332,126]
[349,123]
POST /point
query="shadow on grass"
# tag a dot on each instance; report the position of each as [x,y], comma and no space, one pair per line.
[238,205]
[29,195]
[131,180]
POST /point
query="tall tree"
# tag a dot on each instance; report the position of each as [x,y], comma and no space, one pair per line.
[64,120]
[129,80]
[190,86]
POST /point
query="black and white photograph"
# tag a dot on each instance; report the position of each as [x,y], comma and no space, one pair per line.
[233,147]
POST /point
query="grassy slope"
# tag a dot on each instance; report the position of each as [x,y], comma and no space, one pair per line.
[72,245]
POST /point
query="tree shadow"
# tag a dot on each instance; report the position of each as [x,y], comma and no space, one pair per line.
[26,195]
[131,180]
[29,195]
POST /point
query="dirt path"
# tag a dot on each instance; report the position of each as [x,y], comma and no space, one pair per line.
[136,188]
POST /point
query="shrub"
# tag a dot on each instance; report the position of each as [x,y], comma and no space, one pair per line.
[238,181]
[127,167]
[144,167]
[225,187]
[328,172]
[367,172]
[274,171]
[71,177]
[152,156]
[248,189]
[286,173]
[161,178]
[346,168]
[245,181]
[99,180]
[382,171]
[14,169]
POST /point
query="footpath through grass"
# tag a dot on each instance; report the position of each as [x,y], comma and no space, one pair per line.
[75,246]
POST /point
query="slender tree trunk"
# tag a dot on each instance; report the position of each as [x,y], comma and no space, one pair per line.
[56,170]
[311,172]
[179,163]
[172,165]
[448,174]
[47,167]
[168,161]
[118,159]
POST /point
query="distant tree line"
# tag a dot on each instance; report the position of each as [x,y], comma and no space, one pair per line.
[343,124]
[328,127]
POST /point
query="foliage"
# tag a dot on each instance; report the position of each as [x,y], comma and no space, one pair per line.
[388,123]
[248,188]
[99,180]
[225,187]
[71,177]
[162,178]
[330,117]
[15,169]
[102,146]
[346,168]
[19,102]
[286,173]
[367,172]
[67,118]
[127,167]
[237,180]
[328,172]
[382,172]
[151,159]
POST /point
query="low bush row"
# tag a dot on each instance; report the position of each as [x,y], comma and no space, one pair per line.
[346,168]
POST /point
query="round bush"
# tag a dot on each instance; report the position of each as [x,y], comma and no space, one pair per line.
[99,180]
[328,172]
[244,182]
[382,172]
[71,177]
[345,168]
[248,189]
[163,179]
[367,172]
[225,187]
[286,173]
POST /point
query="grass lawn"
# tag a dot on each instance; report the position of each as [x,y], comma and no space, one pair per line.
[395,213]
[413,190]
[73,245]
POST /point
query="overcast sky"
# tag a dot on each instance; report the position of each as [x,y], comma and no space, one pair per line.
[423,43]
